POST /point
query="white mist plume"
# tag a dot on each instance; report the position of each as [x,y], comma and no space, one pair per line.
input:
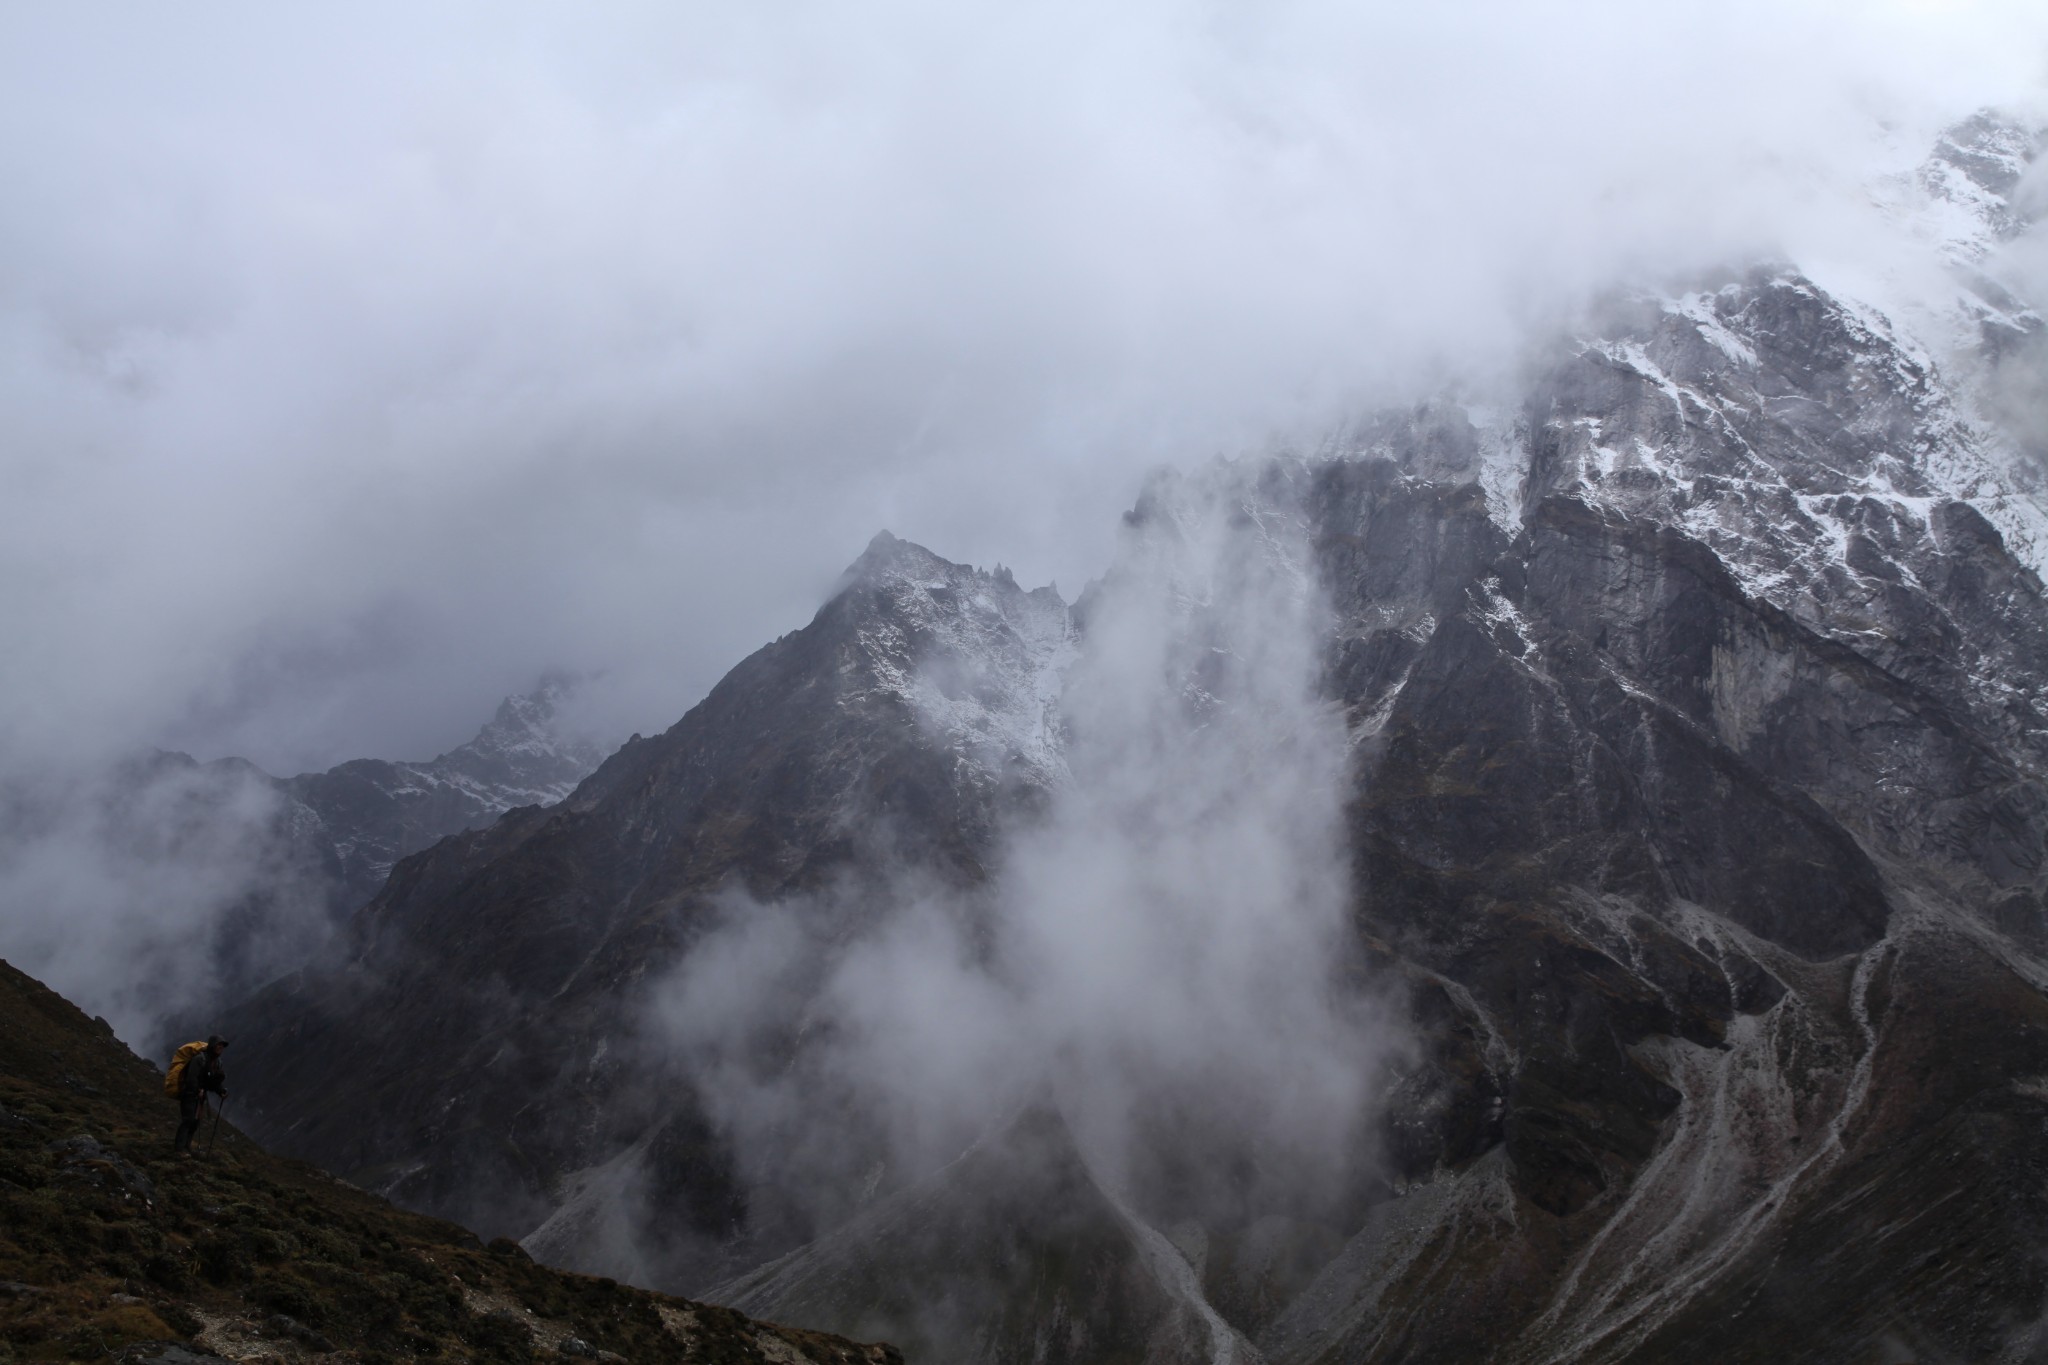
[154,887]
[1166,946]
[1182,916]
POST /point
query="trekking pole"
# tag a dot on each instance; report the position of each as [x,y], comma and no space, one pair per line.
[214,1132]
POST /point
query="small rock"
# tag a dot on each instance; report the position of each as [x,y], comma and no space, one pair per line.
[505,1246]
[128,1300]
[15,1289]
[165,1353]
[299,1332]
[576,1347]
[85,1158]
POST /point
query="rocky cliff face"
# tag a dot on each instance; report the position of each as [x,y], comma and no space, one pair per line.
[1695,821]
[1687,797]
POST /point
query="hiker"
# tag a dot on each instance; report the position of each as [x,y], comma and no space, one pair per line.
[195,1069]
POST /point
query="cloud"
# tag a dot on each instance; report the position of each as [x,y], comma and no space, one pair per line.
[1164,958]
[359,367]
[151,892]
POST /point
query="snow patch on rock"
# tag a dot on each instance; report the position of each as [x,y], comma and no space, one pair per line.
[979,661]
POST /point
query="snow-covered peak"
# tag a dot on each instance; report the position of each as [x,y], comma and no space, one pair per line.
[1955,208]
[888,556]
[375,812]
[891,560]
[521,749]
[978,659]
[1970,182]
[1755,408]
[1821,455]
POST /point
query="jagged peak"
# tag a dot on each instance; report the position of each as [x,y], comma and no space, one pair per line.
[891,559]
[523,732]
[524,714]
[889,556]
[1971,184]
[1991,147]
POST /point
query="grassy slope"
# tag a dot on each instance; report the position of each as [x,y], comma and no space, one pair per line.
[107,1241]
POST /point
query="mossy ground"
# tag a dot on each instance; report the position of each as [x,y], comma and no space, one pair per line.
[108,1240]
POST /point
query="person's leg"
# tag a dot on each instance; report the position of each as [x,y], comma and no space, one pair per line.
[188,1123]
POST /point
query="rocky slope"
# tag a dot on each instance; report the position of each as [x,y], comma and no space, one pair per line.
[1695,819]
[110,1248]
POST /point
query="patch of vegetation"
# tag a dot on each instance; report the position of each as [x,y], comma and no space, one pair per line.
[108,1241]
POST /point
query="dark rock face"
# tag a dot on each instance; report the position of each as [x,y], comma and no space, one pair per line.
[1697,818]
[1673,790]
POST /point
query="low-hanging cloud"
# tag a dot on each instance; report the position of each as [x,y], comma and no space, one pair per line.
[359,367]
[150,892]
[1166,950]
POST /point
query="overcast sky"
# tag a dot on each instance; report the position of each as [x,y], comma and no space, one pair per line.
[359,365]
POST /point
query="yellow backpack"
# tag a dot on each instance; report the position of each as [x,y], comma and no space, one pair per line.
[174,1079]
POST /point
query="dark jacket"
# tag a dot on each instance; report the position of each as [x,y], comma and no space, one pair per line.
[202,1073]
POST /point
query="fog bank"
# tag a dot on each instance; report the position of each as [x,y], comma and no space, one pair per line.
[357,368]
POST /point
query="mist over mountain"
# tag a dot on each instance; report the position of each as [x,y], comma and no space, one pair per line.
[158,889]
[1528,847]
[1526,880]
